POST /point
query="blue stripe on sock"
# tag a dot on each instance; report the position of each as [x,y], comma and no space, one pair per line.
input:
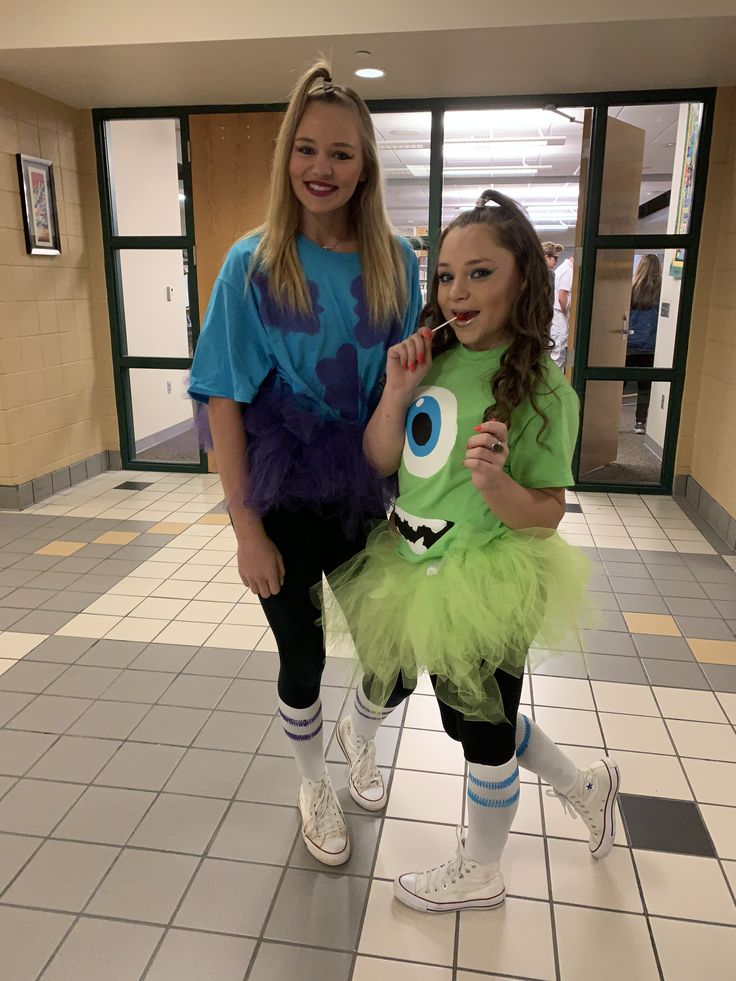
[493,802]
[494,785]
[299,738]
[525,741]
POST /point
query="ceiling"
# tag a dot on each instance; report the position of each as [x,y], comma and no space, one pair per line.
[514,58]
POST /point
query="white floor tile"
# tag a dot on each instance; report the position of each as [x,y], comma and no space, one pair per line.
[434,797]
[636,733]
[704,740]
[578,878]
[618,944]
[235,637]
[391,929]
[88,625]
[694,950]
[612,696]
[132,628]
[699,706]
[684,886]
[180,632]
[500,941]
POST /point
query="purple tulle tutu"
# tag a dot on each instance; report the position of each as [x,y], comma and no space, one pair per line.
[298,459]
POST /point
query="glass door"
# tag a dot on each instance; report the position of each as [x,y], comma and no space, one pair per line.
[152,289]
[636,284]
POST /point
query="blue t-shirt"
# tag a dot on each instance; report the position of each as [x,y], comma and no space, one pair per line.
[332,358]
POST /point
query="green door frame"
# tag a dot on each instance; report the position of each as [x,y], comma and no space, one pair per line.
[592,242]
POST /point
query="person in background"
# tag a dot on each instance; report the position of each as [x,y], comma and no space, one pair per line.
[552,252]
[561,311]
[645,292]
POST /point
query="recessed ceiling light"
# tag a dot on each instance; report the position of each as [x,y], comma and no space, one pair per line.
[369,72]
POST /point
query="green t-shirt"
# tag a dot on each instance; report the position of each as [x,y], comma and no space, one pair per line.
[437,502]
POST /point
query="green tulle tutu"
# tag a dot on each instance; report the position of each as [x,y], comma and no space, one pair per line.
[460,618]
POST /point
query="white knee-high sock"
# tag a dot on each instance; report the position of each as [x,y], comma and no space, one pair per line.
[535,751]
[367,717]
[493,799]
[304,729]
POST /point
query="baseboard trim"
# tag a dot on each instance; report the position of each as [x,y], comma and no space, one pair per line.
[719,522]
[17,497]
[160,437]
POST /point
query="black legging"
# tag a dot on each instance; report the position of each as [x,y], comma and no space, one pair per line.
[641,359]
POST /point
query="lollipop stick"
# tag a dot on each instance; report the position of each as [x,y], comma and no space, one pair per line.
[450,321]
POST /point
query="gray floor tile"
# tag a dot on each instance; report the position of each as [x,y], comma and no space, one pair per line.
[232,730]
[149,539]
[164,657]
[363,830]
[180,824]
[112,653]
[271,780]
[607,667]
[171,725]
[195,691]
[35,807]
[607,642]
[665,648]
[71,601]
[674,588]
[618,555]
[248,695]
[106,950]
[604,620]
[208,773]
[61,650]
[670,573]
[684,606]
[5,784]
[137,553]
[104,815]
[27,598]
[262,667]
[10,615]
[318,908]
[83,681]
[16,577]
[38,563]
[140,767]
[660,558]
[661,825]
[189,956]
[50,713]
[73,758]
[11,703]
[20,750]
[600,583]
[109,720]
[642,604]
[131,525]
[95,583]
[97,551]
[721,676]
[216,663]
[62,876]
[144,885]
[558,664]
[333,700]
[117,567]
[42,622]
[138,686]
[285,961]
[704,628]
[257,833]
[675,674]
[644,587]
[77,566]
[30,676]
[15,850]
[602,601]
[726,608]
[27,939]
[340,671]
[720,590]
[632,570]
[229,897]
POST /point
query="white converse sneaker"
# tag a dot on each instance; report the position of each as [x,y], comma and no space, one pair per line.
[365,782]
[593,797]
[460,883]
[323,823]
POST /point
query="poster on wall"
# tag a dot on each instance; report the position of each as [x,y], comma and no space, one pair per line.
[38,204]
[687,182]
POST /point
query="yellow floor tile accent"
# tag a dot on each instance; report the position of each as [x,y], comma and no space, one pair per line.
[652,623]
[60,548]
[169,528]
[714,651]
[214,519]
[117,538]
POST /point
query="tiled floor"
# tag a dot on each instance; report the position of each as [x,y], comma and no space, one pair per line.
[147,818]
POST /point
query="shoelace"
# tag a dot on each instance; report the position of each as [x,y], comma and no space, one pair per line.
[573,809]
[326,817]
[449,872]
[364,770]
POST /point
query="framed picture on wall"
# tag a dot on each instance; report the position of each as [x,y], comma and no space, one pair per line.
[38,204]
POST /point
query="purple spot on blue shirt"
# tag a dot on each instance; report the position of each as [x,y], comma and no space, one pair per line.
[288,321]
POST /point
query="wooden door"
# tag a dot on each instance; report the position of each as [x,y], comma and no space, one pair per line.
[619,215]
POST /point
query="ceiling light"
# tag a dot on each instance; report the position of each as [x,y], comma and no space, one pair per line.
[369,72]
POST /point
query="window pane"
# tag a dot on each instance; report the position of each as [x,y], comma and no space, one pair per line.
[635,307]
[163,416]
[623,432]
[649,168]
[144,159]
[153,289]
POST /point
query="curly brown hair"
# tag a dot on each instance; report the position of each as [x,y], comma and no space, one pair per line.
[522,368]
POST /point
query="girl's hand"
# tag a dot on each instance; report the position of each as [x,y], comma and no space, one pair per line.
[486,454]
[260,564]
[407,363]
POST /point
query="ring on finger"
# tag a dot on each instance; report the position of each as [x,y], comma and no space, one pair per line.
[497,447]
